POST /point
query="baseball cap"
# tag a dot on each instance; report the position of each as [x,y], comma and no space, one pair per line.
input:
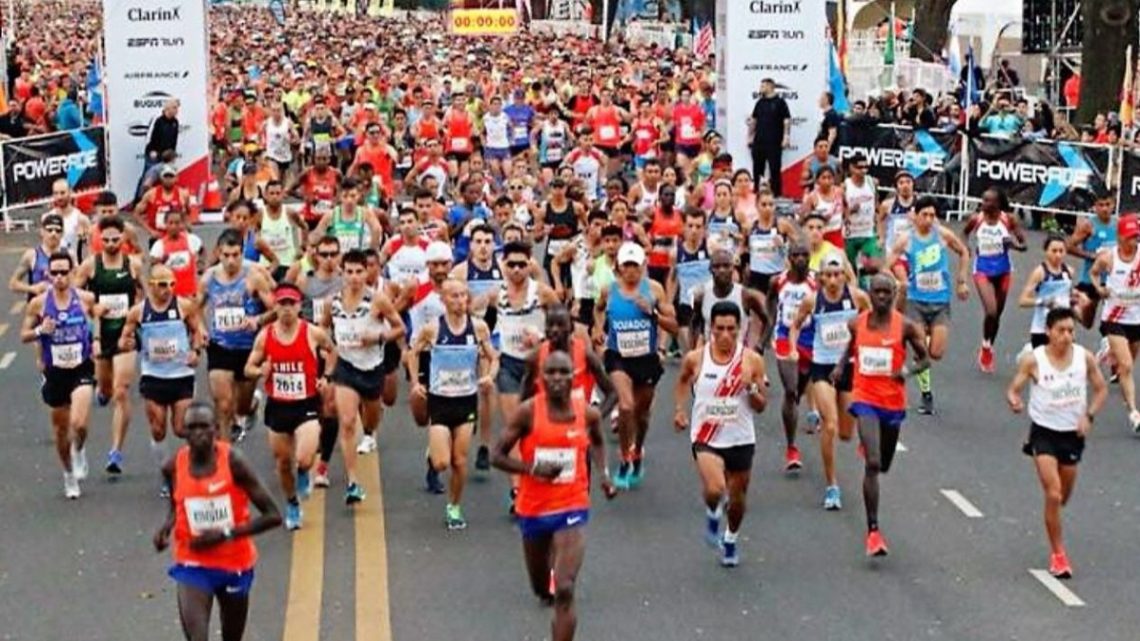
[287,291]
[168,170]
[1128,226]
[51,219]
[631,253]
[833,260]
[438,252]
[903,172]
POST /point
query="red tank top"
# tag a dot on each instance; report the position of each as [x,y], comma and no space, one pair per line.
[665,232]
[878,354]
[382,165]
[322,190]
[645,134]
[176,255]
[565,443]
[292,367]
[583,384]
[428,128]
[607,126]
[459,132]
[688,123]
[211,502]
[162,204]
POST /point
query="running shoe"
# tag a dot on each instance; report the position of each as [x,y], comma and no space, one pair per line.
[237,433]
[114,462]
[79,462]
[621,479]
[483,459]
[986,359]
[255,404]
[102,399]
[353,494]
[712,531]
[367,444]
[813,419]
[1134,419]
[292,516]
[832,498]
[636,473]
[432,482]
[304,485]
[453,517]
[729,557]
[876,544]
[1104,353]
[926,408]
[792,460]
[71,486]
[321,477]
[1113,375]
[164,490]
[1059,566]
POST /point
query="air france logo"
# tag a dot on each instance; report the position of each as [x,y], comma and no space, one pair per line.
[1056,181]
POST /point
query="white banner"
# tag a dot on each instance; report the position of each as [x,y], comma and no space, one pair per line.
[785,40]
[156,50]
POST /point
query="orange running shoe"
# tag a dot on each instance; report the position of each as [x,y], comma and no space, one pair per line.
[1059,566]
[792,461]
[876,544]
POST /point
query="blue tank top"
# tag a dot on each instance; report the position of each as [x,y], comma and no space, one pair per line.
[1103,236]
[928,280]
[692,271]
[991,249]
[481,281]
[1056,287]
[724,230]
[164,342]
[898,220]
[227,306]
[632,333]
[766,255]
[831,331]
[39,271]
[249,247]
[69,345]
[454,371]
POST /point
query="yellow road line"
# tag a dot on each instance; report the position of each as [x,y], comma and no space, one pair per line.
[373,621]
[306,574]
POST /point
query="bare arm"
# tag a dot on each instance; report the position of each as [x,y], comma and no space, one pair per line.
[1028,297]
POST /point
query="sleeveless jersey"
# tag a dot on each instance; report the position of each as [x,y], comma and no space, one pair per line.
[722,416]
[583,382]
[735,296]
[454,371]
[692,271]
[722,232]
[114,289]
[1057,288]
[1103,237]
[213,502]
[513,325]
[292,366]
[928,279]
[566,444]
[227,306]
[991,247]
[348,327]
[861,206]
[830,322]
[1123,283]
[164,342]
[632,333]
[317,293]
[69,345]
[766,252]
[879,353]
[789,296]
[1058,398]
[278,233]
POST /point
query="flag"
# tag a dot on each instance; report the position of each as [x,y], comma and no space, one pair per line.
[703,39]
[1127,104]
[841,34]
[889,50]
[971,94]
[954,54]
[835,81]
[277,8]
[94,86]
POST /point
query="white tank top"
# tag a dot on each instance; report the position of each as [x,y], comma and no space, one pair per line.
[277,140]
[581,282]
[861,208]
[496,131]
[1123,282]
[1058,398]
[513,325]
[348,328]
[831,210]
[721,416]
[709,298]
[648,199]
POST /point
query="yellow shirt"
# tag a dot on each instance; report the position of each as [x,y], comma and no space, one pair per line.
[817,256]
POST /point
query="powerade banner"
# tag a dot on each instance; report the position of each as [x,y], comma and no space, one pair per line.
[31,165]
[1130,182]
[929,156]
[1044,175]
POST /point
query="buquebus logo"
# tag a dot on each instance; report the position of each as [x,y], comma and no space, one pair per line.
[1056,180]
[152,100]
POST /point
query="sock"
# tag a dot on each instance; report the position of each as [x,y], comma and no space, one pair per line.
[924,383]
[872,525]
[986,344]
[729,536]
[158,451]
[330,431]
[714,515]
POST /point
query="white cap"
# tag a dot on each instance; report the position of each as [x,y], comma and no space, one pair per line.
[438,252]
[631,253]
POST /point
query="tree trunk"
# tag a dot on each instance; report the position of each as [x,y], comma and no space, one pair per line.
[1109,27]
[931,28]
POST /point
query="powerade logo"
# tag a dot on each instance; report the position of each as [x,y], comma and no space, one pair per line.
[73,164]
[931,157]
[760,6]
[138,14]
[1135,185]
[1057,181]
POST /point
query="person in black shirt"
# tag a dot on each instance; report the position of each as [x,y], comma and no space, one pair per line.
[12,124]
[771,127]
[831,118]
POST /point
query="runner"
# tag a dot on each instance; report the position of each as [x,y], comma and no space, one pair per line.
[689,271]
[826,201]
[876,357]
[76,226]
[830,310]
[1061,414]
[182,251]
[422,302]
[1091,235]
[317,187]
[31,277]
[579,257]
[1049,286]
[285,353]
[725,381]
[635,307]
[212,528]
[722,288]
[560,222]
[353,225]
[926,247]
[896,216]
[358,317]
[233,296]
[282,232]
[860,192]
[162,199]
[1120,319]
[61,322]
[450,360]
[590,378]
[588,163]
[403,255]
[554,433]
[995,232]
[166,330]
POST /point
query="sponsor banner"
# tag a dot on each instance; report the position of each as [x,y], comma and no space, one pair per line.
[1129,182]
[483,22]
[156,51]
[929,155]
[1042,175]
[785,40]
[32,165]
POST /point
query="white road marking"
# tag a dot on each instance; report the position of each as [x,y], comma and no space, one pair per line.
[17,308]
[960,502]
[1067,596]
[3,328]
[7,359]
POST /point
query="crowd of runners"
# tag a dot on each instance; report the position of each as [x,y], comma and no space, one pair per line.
[520,262]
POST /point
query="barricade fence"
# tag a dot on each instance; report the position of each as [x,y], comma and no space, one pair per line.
[32,165]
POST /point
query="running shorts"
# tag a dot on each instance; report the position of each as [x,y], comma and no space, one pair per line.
[887,418]
[367,383]
[536,527]
[227,360]
[58,384]
[166,391]
[109,344]
[642,370]
[453,412]
[930,314]
[284,417]
[867,247]
[213,581]
[1131,333]
[1066,447]
[821,372]
[392,355]
[509,379]
[737,458]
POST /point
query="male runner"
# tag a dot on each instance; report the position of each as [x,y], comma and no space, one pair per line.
[31,277]
[861,194]
[353,224]
[688,272]
[726,383]
[1119,270]
[283,232]
[896,215]
[404,255]
[723,288]
[180,250]
[793,360]
[1061,415]
[589,371]
[1092,235]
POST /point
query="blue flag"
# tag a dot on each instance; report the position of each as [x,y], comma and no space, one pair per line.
[277,8]
[836,84]
[971,96]
[94,86]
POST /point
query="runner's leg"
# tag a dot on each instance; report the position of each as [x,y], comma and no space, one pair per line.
[194,607]
[569,548]
[1048,472]
[122,373]
[233,610]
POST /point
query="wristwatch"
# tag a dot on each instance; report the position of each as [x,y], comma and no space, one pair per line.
[228,534]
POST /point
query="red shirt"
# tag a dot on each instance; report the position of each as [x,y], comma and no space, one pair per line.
[565,443]
[213,502]
[292,367]
[688,124]
[879,353]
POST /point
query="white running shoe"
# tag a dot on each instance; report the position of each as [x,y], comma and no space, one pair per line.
[79,463]
[367,444]
[1104,354]
[1134,419]
[71,486]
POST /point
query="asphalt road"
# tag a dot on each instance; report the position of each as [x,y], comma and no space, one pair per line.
[86,569]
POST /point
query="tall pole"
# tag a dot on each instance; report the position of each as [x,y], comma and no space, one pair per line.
[604,36]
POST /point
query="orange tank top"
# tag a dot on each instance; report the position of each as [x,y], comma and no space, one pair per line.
[878,354]
[211,502]
[665,232]
[583,385]
[565,443]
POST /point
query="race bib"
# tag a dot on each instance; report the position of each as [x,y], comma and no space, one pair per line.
[564,456]
[460,144]
[228,319]
[161,350]
[929,281]
[453,383]
[722,409]
[688,131]
[160,219]
[607,132]
[209,513]
[875,361]
[520,132]
[67,355]
[115,306]
[178,260]
[861,227]
[990,246]
[278,243]
[322,207]
[633,344]
[289,386]
[346,335]
[835,335]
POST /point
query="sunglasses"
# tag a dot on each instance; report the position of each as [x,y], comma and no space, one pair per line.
[515,187]
[328,254]
[60,272]
[162,283]
[517,264]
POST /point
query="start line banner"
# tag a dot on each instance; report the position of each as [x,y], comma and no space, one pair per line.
[931,156]
[32,165]
[1050,175]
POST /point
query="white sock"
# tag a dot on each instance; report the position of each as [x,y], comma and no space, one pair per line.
[729,536]
[158,451]
[714,514]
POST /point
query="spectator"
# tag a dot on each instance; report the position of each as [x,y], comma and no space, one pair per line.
[1007,76]
[13,124]
[917,112]
[771,128]
[1100,129]
[831,118]
[1001,119]
[68,114]
[818,159]
[35,112]
[163,135]
[1072,90]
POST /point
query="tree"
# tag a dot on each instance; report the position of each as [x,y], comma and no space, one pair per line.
[931,28]
[1109,27]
